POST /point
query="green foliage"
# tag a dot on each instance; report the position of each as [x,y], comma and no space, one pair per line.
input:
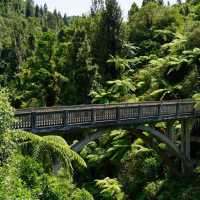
[6,113]
[47,60]
[140,166]
[29,8]
[6,120]
[30,171]
[120,64]
[119,144]
[121,87]
[44,148]
[193,38]
[110,189]
[11,186]
[24,178]
[81,194]
[133,10]
[196,97]
[107,38]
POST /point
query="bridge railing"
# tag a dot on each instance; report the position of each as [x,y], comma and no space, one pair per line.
[65,117]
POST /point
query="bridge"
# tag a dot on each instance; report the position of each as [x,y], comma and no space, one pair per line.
[66,118]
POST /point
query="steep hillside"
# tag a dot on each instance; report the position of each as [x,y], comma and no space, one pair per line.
[47,59]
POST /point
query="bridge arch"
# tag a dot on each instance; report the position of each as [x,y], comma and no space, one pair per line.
[155,133]
[78,146]
[163,139]
[172,146]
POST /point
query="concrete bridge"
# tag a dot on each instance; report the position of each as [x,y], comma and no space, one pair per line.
[98,117]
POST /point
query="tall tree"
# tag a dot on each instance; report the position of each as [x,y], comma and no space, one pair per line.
[45,8]
[52,21]
[107,40]
[29,8]
[97,5]
[75,63]
[65,19]
[161,2]
[147,1]
[41,11]
[134,9]
[43,73]
[37,11]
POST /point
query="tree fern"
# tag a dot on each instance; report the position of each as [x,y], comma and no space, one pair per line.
[121,87]
[163,35]
[121,64]
[51,145]
[177,45]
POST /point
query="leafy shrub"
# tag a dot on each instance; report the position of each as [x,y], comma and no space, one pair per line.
[81,194]
[152,189]
[23,177]
[6,120]
[140,166]
[6,112]
[110,189]
[11,186]
[30,172]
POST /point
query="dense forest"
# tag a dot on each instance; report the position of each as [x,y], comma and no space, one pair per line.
[47,59]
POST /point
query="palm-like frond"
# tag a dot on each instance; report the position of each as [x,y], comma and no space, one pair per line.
[177,45]
[193,55]
[137,149]
[51,145]
[122,87]
[100,96]
[158,94]
[164,35]
[120,145]
[196,97]
[121,64]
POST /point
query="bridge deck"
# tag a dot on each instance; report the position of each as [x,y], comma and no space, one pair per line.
[69,117]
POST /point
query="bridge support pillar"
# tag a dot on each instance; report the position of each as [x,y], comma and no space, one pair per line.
[185,138]
[171,132]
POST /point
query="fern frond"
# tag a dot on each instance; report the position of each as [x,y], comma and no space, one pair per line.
[51,145]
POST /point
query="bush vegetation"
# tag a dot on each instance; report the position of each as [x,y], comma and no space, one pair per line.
[47,59]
